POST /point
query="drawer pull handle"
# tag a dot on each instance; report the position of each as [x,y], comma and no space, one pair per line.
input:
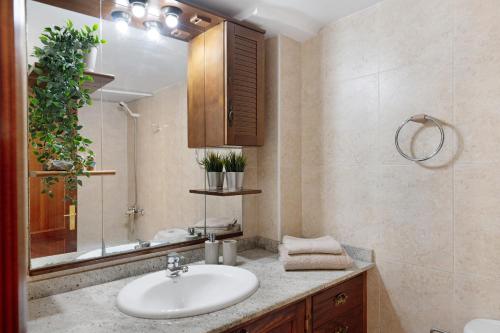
[342,329]
[340,299]
[243,330]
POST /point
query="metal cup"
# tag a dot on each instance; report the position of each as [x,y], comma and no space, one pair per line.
[215,180]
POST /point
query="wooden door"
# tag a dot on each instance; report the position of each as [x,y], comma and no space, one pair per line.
[290,319]
[13,312]
[52,219]
[245,86]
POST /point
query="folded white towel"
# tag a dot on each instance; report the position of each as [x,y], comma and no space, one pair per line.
[313,261]
[325,244]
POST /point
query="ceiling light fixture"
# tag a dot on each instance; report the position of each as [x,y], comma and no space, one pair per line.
[122,19]
[153,28]
[138,7]
[171,15]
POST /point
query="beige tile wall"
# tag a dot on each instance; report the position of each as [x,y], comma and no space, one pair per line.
[267,155]
[167,169]
[435,225]
[279,174]
[102,201]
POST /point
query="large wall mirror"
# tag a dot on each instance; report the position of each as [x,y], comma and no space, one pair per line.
[127,190]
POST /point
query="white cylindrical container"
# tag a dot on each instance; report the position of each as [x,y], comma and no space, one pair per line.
[211,250]
[229,248]
[90,59]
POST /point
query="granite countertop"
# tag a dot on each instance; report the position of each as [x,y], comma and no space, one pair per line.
[93,309]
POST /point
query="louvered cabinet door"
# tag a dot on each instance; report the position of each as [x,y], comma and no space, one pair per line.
[245,86]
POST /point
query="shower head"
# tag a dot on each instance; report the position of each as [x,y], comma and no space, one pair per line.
[124,107]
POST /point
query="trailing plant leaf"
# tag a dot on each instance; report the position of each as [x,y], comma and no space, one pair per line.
[57,95]
[234,162]
[212,162]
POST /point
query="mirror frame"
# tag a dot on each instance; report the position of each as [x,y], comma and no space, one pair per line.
[88,7]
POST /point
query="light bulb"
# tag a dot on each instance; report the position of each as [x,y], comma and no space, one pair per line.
[121,26]
[153,33]
[171,20]
[153,28]
[138,9]
[121,19]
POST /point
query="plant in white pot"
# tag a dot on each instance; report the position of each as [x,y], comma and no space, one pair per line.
[57,95]
[235,167]
[213,166]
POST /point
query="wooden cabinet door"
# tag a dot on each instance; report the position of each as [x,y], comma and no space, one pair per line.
[52,220]
[288,320]
[245,86]
[226,87]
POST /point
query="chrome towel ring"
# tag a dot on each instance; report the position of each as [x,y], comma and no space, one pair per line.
[420,118]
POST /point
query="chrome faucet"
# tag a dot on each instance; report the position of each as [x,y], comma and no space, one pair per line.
[174,264]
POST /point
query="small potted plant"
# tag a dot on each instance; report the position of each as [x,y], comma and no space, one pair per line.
[235,167]
[213,166]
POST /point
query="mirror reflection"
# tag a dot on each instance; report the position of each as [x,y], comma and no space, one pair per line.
[116,176]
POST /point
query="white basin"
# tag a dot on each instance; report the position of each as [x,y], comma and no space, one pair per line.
[203,289]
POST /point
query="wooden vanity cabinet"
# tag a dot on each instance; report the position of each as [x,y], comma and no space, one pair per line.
[338,309]
[226,87]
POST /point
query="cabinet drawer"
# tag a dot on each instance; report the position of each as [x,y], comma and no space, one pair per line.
[337,301]
[350,322]
[290,319]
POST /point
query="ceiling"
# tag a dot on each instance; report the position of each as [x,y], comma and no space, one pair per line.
[297,19]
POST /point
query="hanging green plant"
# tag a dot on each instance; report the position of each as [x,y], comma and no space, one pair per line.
[57,94]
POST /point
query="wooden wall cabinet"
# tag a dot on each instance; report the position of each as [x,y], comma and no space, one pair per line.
[226,87]
[338,309]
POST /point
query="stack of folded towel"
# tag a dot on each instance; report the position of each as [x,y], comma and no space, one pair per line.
[313,253]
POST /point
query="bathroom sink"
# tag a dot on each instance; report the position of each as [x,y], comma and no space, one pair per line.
[203,289]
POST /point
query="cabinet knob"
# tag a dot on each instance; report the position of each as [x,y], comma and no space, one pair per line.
[243,330]
[342,329]
[340,299]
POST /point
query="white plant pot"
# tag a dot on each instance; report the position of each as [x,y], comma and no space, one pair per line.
[90,59]
[234,180]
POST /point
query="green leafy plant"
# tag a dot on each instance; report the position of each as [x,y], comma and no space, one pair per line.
[234,162]
[213,162]
[56,96]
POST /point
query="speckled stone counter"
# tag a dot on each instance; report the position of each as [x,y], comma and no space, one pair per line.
[93,310]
